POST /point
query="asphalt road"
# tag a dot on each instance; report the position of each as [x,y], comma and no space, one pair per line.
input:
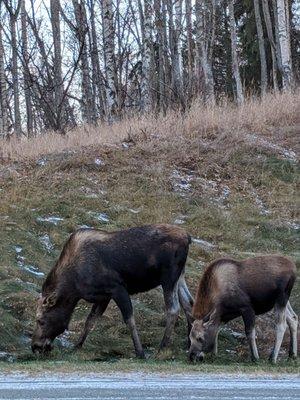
[147,387]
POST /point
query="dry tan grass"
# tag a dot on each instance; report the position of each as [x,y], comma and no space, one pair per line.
[256,116]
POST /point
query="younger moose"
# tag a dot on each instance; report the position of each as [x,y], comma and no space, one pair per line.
[229,289]
[100,266]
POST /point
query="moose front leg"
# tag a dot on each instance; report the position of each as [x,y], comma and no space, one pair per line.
[96,312]
[122,299]
[215,350]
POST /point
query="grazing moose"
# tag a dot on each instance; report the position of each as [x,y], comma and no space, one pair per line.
[230,288]
[98,266]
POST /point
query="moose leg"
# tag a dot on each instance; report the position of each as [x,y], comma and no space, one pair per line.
[172,308]
[122,299]
[215,351]
[96,311]
[280,317]
[186,301]
[292,321]
[249,321]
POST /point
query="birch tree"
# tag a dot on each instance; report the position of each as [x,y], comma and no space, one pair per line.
[234,54]
[146,78]
[13,15]
[190,47]
[88,101]
[59,106]
[205,26]
[274,55]
[261,45]
[26,73]
[97,75]
[109,58]
[284,41]
[3,90]
[175,28]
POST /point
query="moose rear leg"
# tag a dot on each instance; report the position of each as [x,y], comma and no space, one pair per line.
[172,308]
[122,299]
[96,311]
[249,321]
[280,321]
[292,321]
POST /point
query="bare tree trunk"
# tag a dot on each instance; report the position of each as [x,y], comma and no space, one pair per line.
[13,15]
[284,41]
[3,91]
[204,29]
[268,22]
[277,43]
[159,23]
[167,72]
[59,107]
[189,38]
[175,28]
[234,54]
[97,78]
[26,75]
[109,58]
[262,52]
[146,79]
[88,109]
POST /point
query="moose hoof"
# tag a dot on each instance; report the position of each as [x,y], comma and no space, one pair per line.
[77,346]
[272,359]
[141,355]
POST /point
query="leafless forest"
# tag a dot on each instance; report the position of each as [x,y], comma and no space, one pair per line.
[64,63]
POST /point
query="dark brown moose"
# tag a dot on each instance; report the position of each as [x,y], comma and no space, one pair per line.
[100,266]
[230,289]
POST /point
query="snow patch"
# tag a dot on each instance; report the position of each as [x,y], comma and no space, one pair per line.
[33,270]
[18,249]
[179,221]
[4,356]
[260,204]
[236,335]
[51,219]
[64,341]
[293,225]
[41,162]
[26,267]
[102,217]
[285,153]
[181,182]
[134,211]
[99,162]
[204,244]
[46,242]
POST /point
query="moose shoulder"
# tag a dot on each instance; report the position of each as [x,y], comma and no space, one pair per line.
[230,288]
[100,266]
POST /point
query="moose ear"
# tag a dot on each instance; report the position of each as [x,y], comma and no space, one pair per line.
[209,318]
[50,300]
[206,318]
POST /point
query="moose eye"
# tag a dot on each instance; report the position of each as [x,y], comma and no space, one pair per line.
[41,322]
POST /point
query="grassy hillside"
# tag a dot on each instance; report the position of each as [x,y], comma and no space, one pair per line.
[228,176]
